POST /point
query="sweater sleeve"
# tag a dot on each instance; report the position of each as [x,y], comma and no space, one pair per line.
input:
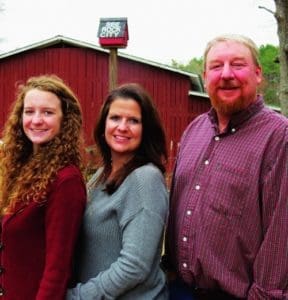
[142,218]
[65,207]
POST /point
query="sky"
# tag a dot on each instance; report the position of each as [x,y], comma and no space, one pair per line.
[159,30]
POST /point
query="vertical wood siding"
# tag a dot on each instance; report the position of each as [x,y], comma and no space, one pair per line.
[86,71]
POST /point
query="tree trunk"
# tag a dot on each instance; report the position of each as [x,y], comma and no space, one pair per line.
[281,16]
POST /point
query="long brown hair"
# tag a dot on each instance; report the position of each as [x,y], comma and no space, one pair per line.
[152,148]
[25,176]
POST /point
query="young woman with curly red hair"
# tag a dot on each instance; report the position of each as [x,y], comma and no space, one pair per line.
[42,190]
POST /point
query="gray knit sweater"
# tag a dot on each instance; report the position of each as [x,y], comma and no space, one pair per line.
[122,240]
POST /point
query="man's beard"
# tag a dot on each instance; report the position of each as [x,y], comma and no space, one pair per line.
[229,108]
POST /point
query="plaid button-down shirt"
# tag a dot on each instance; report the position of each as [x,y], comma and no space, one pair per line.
[228,225]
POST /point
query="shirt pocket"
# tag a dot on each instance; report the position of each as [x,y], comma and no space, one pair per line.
[228,190]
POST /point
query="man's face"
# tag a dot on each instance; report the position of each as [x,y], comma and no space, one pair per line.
[231,77]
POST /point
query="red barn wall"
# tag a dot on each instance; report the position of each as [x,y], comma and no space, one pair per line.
[86,71]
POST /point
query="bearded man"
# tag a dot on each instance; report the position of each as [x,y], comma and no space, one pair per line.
[227,234]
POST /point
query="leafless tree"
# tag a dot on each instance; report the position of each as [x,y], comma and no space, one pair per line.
[281,16]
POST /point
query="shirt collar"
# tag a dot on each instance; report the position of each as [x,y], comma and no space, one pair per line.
[240,117]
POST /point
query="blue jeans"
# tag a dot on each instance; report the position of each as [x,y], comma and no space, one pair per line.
[178,290]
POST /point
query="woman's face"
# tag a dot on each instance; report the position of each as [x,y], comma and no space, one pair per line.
[123,129]
[42,116]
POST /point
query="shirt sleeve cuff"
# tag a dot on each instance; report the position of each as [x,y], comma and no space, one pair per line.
[257,292]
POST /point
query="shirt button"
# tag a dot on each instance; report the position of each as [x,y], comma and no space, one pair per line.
[197,187]
[189,212]
[1,292]
[184,265]
[206,162]
[217,138]
[233,130]
[184,239]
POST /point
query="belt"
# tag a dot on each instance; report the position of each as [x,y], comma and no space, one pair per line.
[206,294]
[180,290]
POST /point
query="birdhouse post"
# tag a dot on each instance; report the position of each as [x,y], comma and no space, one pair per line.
[113,34]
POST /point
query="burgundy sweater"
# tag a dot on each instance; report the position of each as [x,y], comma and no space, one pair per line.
[38,240]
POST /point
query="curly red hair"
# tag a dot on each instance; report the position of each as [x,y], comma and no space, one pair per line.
[25,176]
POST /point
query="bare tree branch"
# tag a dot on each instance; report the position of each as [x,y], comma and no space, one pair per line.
[267,9]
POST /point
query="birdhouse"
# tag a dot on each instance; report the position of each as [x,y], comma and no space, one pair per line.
[113,32]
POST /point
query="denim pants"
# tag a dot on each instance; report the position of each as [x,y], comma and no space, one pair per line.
[178,290]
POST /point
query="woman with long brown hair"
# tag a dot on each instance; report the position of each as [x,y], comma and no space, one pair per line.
[123,225]
[42,190]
